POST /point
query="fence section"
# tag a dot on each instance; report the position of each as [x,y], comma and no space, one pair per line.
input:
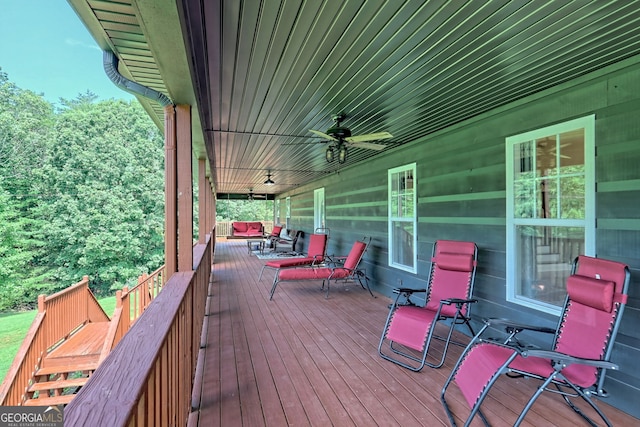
[54,323]
[148,378]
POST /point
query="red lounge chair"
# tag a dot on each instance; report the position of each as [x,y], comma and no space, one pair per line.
[274,235]
[275,232]
[407,334]
[581,348]
[315,255]
[346,271]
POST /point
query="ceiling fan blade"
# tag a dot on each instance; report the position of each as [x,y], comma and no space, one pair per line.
[369,137]
[367,145]
[322,135]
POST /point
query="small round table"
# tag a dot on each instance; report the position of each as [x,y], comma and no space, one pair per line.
[258,244]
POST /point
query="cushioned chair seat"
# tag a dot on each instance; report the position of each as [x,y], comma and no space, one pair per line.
[576,362]
[349,270]
[312,273]
[315,255]
[448,295]
[285,263]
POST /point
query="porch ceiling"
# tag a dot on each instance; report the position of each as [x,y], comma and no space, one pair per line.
[260,74]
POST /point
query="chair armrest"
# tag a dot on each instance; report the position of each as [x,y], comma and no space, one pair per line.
[565,359]
[338,260]
[518,327]
[408,291]
[450,301]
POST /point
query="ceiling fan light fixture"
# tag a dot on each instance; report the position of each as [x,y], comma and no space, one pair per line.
[342,154]
[329,155]
[269,181]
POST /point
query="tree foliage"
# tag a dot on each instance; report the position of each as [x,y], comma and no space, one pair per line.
[26,121]
[106,172]
[81,193]
[244,210]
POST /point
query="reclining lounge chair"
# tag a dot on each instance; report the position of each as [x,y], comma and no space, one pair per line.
[407,335]
[342,268]
[580,353]
[315,255]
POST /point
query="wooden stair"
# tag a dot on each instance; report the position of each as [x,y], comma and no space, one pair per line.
[64,370]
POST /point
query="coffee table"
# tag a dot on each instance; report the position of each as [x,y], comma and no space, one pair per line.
[258,244]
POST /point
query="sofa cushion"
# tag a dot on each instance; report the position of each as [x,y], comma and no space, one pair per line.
[239,227]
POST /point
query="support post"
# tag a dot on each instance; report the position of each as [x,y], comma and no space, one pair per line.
[170,193]
[203,207]
[185,187]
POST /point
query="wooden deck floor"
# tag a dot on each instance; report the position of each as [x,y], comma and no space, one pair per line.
[301,360]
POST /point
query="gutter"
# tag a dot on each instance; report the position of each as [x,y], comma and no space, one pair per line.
[110,63]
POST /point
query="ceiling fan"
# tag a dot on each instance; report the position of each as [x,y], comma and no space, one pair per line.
[253,196]
[341,138]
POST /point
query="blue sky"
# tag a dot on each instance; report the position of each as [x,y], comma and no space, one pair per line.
[44,47]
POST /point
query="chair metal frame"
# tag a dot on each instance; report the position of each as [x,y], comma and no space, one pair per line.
[511,357]
[405,355]
[337,268]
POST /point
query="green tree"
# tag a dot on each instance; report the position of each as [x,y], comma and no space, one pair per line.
[21,281]
[244,210]
[106,171]
[25,130]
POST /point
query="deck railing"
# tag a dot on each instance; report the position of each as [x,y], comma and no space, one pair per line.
[148,378]
[54,322]
[132,302]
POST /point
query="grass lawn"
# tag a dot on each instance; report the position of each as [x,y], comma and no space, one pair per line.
[14,327]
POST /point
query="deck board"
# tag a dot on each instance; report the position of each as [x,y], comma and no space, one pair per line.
[82,347]
[301,359]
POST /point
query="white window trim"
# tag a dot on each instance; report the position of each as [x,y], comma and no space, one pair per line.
[588,124]
[391,219]
[288,213]
[319,209]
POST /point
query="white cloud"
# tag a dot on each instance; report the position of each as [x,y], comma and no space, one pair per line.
[74,42]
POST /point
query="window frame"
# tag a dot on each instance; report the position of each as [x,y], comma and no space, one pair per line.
[586,123]
[396,219]
[319,209]
[288,213]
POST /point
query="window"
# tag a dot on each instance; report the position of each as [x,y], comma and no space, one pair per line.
[550,210]
[288,213]
[402,218]
[318,209]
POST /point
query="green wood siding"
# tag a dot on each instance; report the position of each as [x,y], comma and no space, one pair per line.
[461,195]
